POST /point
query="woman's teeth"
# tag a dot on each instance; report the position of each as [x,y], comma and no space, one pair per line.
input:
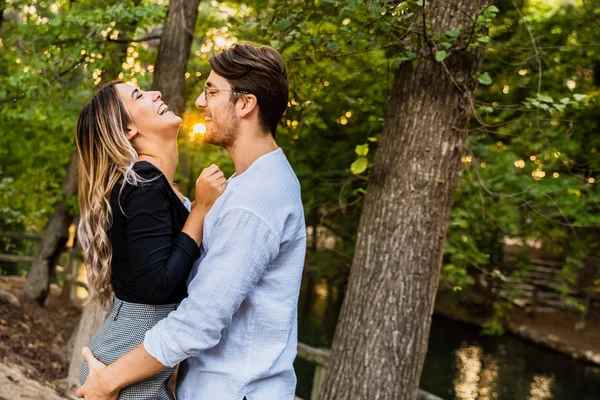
[162,109]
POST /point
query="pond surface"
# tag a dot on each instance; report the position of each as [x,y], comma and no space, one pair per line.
[462,364]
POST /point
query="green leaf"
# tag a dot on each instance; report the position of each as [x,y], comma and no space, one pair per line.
[359,165]
[565,100]
[333,46]
[493,9]
[579,97]
[441,55]
[453,33]
[362,150]
[406,56]
[484,79]
[372,139]
[545,98]
[396,63]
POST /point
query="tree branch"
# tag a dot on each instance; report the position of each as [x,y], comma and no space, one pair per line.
[144,39]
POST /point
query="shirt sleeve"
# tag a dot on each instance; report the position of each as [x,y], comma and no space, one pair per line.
[158,261]
[239,253]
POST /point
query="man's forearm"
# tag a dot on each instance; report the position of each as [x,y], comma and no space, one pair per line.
[132,367]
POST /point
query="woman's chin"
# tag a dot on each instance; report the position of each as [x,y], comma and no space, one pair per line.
[174,120]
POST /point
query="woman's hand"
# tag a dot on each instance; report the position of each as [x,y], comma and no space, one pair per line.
[209,186]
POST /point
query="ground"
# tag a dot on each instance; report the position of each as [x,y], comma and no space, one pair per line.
[33,344]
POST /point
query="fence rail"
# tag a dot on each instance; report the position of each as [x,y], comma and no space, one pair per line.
[320,357]
[20,235]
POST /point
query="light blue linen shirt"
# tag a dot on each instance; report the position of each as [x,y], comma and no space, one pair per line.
[237,329]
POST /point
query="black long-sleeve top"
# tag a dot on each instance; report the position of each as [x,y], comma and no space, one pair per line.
[151,256]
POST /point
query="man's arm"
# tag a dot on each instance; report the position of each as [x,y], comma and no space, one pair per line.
[104,383]
[242,248]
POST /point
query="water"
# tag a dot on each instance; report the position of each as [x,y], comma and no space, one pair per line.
[461,364]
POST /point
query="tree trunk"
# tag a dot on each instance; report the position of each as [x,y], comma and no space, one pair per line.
[174,52]
[55,238]
[91,319]
[2,8]
[381,337]
[56,234]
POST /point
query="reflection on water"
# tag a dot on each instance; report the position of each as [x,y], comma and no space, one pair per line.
[540,388]
[475,379]
[461,364]
[466,383]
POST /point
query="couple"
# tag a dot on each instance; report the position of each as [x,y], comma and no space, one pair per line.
[241,247]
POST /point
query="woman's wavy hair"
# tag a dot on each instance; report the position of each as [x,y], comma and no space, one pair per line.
[106,157]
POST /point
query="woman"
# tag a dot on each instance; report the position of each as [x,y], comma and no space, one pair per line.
[138,238]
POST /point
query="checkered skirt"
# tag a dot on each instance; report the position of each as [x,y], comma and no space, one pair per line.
[123,331]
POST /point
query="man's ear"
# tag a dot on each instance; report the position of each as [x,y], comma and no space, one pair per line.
[131,131]
[249,103]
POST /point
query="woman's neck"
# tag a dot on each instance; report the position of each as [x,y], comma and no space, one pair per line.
[165,159]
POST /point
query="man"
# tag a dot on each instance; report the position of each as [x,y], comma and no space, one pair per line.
[237,329]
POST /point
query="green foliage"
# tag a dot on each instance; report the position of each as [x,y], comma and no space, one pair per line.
[51,56]
[530,167]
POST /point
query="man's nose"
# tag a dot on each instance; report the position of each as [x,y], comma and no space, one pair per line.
[201,100]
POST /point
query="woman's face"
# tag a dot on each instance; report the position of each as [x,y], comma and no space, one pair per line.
[148,112]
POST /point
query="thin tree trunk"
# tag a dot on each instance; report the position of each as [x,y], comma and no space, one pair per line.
[381,337]
[174,51]
[93,314]
[2,8]
[92,318]
[55,237]
[56,234]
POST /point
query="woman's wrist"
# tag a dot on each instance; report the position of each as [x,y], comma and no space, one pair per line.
[195,222]
[200,207]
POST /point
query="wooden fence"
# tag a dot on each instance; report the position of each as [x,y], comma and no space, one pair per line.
[69,274]
[320,357]
[538,290]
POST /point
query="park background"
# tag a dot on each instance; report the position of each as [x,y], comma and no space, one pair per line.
[464,132]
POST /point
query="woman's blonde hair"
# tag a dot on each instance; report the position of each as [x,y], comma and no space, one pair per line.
[106,156]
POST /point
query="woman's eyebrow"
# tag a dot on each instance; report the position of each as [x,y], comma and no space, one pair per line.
[134,92]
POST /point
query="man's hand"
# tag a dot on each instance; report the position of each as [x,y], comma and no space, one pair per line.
[94,388]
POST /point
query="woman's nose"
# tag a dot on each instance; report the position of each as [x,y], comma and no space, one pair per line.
[156,95]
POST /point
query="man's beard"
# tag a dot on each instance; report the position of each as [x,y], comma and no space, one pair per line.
[223,133]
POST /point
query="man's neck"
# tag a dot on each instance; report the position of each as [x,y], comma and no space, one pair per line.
[248,148]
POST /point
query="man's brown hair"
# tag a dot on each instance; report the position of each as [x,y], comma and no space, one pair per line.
[259,71]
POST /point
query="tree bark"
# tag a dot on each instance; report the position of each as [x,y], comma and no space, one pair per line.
[55,237]
[92,318]
[173,54]
[381,337]
[2,8]
[56,234]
